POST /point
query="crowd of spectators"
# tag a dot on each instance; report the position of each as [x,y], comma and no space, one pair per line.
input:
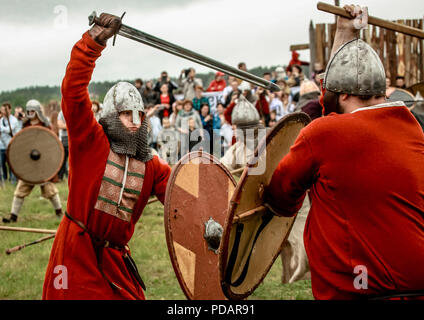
[176,109]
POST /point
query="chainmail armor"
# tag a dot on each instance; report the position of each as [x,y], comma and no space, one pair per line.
[122,141]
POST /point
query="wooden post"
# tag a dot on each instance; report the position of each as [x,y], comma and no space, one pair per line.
[414,58]
[392,57]
[319,43]
[400,40]
[420,76]
[312,47]
[407,51]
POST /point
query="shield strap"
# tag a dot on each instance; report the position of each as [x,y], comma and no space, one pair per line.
[100,244]
[266,218]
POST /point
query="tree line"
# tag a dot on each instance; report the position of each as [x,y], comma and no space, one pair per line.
[44,94]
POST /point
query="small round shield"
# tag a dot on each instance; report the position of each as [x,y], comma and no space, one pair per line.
[254,237]
[35,154]
[196,205]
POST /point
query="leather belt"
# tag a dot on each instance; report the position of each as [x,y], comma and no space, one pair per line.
[99,244]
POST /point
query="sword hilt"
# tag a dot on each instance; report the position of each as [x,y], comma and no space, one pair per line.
[93,19]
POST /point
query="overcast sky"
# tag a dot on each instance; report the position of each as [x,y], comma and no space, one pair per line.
[36,37]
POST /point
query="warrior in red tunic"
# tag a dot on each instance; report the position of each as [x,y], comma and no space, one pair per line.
[364,235]
[112,174]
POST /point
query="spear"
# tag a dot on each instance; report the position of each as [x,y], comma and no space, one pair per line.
[414,32]
[47,231]
[17,248]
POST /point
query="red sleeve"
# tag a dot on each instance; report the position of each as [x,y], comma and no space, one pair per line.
[162,172]
[210,88]
[292,178]
[76,103]
[228,111]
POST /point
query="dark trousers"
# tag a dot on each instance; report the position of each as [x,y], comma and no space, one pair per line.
[6,172]
[3,167]
[64,169]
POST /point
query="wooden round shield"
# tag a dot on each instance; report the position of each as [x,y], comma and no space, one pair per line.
[253,237]
[402,95]
[196,206]
[35,154]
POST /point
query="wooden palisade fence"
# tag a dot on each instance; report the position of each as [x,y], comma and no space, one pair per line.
[402,55]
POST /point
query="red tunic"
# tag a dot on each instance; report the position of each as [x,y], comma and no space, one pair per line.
[366,180]
[89,152]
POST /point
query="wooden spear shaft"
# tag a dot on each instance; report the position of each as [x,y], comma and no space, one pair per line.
[47,231]
[17,248]
[414,32]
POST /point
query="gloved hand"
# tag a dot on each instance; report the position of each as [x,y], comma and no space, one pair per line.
[108,25]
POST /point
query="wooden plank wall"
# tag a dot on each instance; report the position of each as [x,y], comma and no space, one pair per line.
[401,54]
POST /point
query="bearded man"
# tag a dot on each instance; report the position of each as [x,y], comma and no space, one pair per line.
[364,235]
[112,173]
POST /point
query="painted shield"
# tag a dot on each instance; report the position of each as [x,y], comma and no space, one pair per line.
[35,154]
[417,87]
[254,237]
[196,206]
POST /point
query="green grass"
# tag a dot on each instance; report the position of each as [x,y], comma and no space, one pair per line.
[22,272]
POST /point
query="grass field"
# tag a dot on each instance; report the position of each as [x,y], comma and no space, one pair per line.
[22,272]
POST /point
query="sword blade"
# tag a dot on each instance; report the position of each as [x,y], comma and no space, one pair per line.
[148,39]
[145,38]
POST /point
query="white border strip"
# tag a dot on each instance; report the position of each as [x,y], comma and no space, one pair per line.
[382,105]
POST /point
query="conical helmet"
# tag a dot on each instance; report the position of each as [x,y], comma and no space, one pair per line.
[356,69]
[123,96]
[244,114]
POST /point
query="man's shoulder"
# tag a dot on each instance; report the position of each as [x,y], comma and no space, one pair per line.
[324,125]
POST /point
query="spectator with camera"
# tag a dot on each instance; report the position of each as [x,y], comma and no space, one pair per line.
[188,82]
[19,115]
[165,79]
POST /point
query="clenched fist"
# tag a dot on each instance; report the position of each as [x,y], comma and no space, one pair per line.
[106,27]
[358,21]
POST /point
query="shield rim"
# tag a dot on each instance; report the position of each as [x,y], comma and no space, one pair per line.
[171,182]
[57,140]
[224,247]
